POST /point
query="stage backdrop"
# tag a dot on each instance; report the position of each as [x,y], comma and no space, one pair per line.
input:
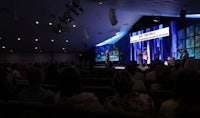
[167,44]
[189,38]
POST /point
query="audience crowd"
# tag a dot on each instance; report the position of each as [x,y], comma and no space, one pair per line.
[160,91]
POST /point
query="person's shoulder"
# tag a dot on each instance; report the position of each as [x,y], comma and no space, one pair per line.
[113,99]
[46,90]
[138,75]
[144,96]
[86,96]
[170,102]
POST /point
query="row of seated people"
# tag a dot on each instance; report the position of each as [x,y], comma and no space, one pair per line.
[70,92]
[30,109]
[125,98]
[52,70]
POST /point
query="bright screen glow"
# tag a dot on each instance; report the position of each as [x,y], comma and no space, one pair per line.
[113,52]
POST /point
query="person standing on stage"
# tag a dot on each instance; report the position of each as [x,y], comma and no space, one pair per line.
[157,55]
[139,54]
[184,55]
[145,56]
[107,58]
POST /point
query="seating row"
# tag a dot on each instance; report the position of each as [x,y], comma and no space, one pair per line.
[22,109]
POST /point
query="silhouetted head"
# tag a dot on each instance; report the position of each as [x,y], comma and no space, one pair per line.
[34,76]
[122,82]
[187,84]
[70,82]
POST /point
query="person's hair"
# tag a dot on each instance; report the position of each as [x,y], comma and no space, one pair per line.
[187,91]
[155,63]
[34,76]
[3,78]
[164,76]
[191,64]
[122,82]
[69,83]
[3,73]
[184,50]
[131,67]
[186,84]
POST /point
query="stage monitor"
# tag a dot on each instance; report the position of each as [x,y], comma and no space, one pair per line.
[181,44]
[181,34]
[190,31]
[197,29]
[190,42]
[197,53]
[191,52]
[100,52]
[197,41]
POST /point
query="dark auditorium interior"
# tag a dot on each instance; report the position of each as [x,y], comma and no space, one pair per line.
[43,42]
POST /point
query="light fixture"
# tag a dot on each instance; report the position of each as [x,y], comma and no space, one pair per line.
[52,40]
[58,29]
[155,20]
[50,24]
[72,7]
[67,41]
[36,22]
[3,47]
[65,20]
[117,32]
[36,40]
[76,4]
[74,11]
[81,9]
[36,48]
[18,38]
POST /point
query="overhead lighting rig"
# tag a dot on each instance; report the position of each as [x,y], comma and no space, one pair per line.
[73,7]
[58,29]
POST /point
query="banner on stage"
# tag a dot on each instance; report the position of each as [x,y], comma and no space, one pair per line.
[150,35]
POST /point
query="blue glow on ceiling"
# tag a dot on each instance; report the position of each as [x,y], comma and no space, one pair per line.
[193,16]
[113,39]
[116,38]
[187,16]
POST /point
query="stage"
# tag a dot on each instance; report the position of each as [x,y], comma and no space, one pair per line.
[143,68]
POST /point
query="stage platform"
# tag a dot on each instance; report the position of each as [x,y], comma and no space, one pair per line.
[143,68]
[115,67]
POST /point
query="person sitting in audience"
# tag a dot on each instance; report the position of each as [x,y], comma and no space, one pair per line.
[71,94]
[126,99]
[7,85]
[163,80]
[150,76]
[186,95]
[192,64]
[35,92]
[137,77]
[51,74]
